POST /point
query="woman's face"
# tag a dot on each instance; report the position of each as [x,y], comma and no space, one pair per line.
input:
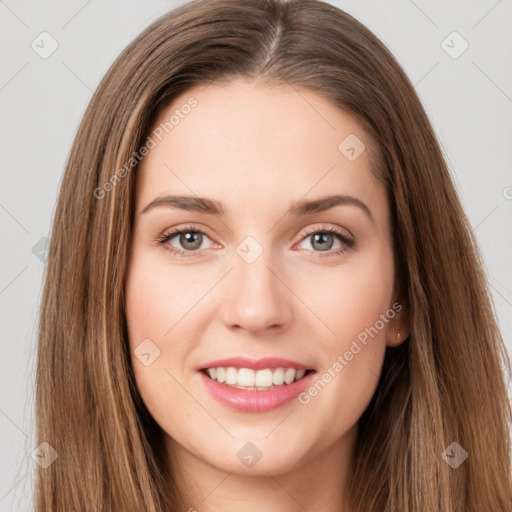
[267,266]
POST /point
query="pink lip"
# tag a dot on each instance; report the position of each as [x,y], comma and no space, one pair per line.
[255,400]
[259,364]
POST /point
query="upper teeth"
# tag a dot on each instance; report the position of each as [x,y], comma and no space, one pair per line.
[248,377]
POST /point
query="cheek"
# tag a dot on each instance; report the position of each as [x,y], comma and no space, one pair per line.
[157,304]
[352,299]
[357,310]
[157,299]
[141,304]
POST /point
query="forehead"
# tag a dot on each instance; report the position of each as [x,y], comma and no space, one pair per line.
[244,141]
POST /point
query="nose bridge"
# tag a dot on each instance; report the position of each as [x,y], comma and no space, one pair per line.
[257,298]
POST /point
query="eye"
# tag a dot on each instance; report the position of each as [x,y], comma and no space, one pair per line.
[190,238]
[323,239]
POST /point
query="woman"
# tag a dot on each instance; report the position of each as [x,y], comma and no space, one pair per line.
[262,291]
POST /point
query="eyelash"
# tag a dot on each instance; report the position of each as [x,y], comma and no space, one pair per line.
[349,242]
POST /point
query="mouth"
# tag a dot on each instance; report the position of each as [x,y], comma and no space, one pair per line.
[249,379]
[255,385]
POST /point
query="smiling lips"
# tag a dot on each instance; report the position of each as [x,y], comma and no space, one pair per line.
[255,386]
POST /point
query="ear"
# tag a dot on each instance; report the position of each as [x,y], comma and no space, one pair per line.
[398,326]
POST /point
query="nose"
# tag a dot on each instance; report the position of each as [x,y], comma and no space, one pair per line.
[258,298]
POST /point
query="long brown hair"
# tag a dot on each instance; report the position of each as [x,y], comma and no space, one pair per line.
[444,384]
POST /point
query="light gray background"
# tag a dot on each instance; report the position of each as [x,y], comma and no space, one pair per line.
[469,100]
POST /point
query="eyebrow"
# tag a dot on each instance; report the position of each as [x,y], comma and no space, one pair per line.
[213,207]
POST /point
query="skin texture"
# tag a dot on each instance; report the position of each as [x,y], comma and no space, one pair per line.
[258,150]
